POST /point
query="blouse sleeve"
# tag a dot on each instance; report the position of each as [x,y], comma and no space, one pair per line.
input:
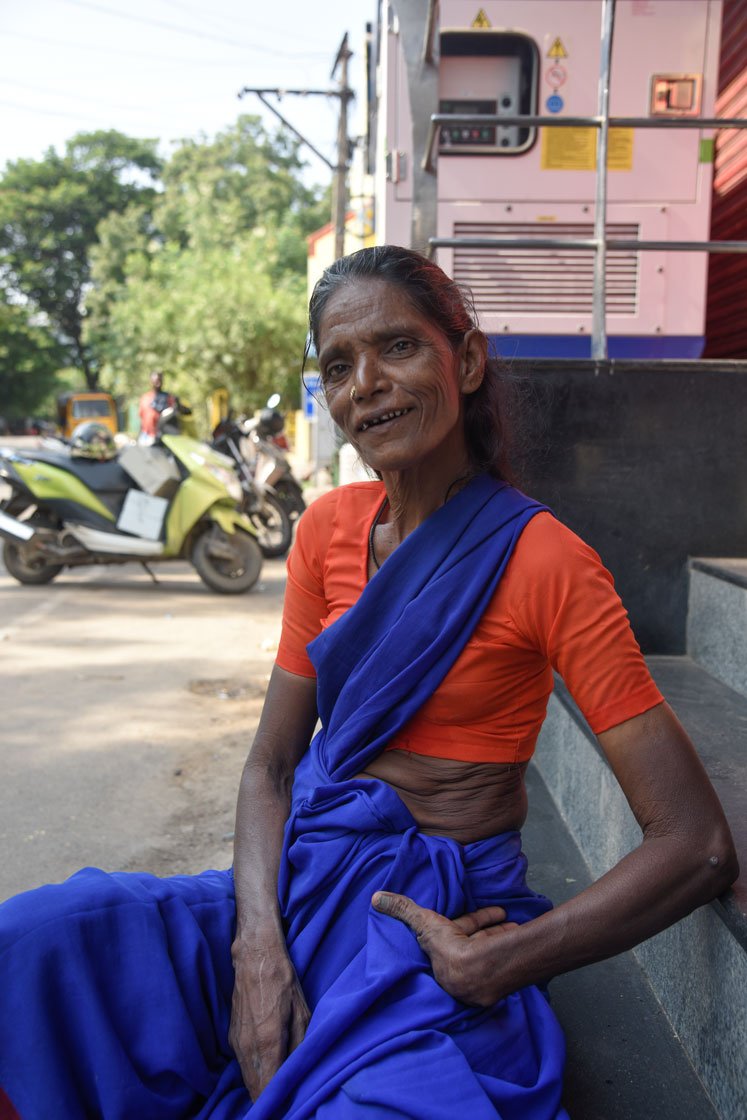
[304,605]
[569,608]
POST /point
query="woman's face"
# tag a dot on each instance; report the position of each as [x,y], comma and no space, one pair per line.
[408,381]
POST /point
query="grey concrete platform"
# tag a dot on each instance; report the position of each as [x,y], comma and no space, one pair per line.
[625,1061]
[717,619]
[698,968]
[715,718]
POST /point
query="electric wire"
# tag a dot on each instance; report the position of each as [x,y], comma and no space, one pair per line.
[230,23]
[145,21]
[160,58]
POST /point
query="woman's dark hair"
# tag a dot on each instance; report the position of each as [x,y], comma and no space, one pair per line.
[443,303]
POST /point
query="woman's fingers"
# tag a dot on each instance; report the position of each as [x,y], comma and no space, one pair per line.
[462,952]
[481,919]
[423,921]
[399,906]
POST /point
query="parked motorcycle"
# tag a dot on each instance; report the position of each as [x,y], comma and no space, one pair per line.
[267,433]
[259,501]
[258,447]
[87,503]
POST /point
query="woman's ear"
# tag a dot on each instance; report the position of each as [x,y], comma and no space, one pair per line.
[472,363]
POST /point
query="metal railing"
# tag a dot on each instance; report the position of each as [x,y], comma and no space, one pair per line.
[599,244]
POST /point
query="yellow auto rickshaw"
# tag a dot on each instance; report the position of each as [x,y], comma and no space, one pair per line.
[74,408]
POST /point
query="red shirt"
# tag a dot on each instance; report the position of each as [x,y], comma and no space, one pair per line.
[555,609]
[148,414]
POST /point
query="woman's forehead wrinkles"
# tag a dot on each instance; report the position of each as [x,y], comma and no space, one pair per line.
[340,333]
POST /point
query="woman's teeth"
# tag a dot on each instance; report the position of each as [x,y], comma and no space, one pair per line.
[380,419]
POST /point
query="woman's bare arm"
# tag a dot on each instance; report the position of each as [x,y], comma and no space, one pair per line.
[686,858]
[269,1015]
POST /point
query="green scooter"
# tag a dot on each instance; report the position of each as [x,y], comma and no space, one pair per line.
[88,503]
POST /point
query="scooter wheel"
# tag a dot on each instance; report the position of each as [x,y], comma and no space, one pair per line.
[26,567]
[227,563]
[291,496]
[273,525]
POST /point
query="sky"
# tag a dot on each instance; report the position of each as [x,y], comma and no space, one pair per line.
[170,69]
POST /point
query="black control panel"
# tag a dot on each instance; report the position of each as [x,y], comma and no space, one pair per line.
[464,135]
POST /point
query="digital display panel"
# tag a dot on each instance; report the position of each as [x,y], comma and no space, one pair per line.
[456,135]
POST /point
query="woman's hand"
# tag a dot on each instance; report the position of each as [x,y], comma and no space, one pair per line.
[269,1015]
[460,951]
[686,858]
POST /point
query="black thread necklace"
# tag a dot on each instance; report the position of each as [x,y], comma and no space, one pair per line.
[383,506]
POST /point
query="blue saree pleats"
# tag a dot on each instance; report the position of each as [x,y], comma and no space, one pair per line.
[385,1040]
[115,990]
[115,995]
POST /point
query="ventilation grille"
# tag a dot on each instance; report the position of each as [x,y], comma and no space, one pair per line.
[546,281]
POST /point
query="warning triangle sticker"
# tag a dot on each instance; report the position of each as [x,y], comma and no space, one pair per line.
[557,50]
[481,20]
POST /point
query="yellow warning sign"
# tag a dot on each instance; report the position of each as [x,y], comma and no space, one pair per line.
[481,20]
[620,149]
[557,50]
[575,149]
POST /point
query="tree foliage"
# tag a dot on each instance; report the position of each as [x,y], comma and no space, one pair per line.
[209,318]
[29,360]
[49,213]
[210,284]
[196,265]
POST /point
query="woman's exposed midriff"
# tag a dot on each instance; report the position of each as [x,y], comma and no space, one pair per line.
[463,801]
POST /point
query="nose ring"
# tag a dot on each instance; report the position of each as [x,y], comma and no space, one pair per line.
[352,392]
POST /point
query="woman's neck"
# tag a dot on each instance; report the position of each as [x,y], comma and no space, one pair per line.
[414,496]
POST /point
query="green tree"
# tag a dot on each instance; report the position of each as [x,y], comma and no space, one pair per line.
[49,213]
[210,285]
[122,255]
[210,318]
[243,179]
[29,360]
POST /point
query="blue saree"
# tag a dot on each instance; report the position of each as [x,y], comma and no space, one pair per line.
[115,990]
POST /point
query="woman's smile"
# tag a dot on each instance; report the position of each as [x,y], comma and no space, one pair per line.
[378,420]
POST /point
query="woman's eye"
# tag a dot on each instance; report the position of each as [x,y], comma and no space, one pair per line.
[401,346]
[335,372]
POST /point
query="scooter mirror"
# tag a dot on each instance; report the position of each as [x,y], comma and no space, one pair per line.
[273,401]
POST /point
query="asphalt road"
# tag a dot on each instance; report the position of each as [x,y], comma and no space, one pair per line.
[126,712]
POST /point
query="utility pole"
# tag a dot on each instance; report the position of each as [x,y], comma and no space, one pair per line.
[340,168]
[340,191]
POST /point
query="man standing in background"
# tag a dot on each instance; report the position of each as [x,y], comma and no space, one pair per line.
[152,405]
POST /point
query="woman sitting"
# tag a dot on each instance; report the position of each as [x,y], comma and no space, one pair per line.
[424,616]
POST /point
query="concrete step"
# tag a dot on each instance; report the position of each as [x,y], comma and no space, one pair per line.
[717,619]
[624,1060]
[698,968]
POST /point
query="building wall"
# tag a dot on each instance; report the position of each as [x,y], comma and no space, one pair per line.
[647,463]
[726,316]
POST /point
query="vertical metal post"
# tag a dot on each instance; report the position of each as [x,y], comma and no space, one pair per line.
[340,189]
[598,321]
[422,83]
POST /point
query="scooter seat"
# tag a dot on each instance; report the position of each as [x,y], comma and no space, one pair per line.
[103,477]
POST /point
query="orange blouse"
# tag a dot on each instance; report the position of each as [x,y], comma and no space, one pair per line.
[554,609]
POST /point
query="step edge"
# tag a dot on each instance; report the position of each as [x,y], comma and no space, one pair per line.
[712,567]
[726,906]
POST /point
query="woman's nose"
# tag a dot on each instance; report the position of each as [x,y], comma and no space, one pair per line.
[367,376]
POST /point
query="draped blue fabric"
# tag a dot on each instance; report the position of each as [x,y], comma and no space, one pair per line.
[379,662]
[115,989]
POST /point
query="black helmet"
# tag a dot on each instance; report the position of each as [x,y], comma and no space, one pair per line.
[270,422]
[93,441]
